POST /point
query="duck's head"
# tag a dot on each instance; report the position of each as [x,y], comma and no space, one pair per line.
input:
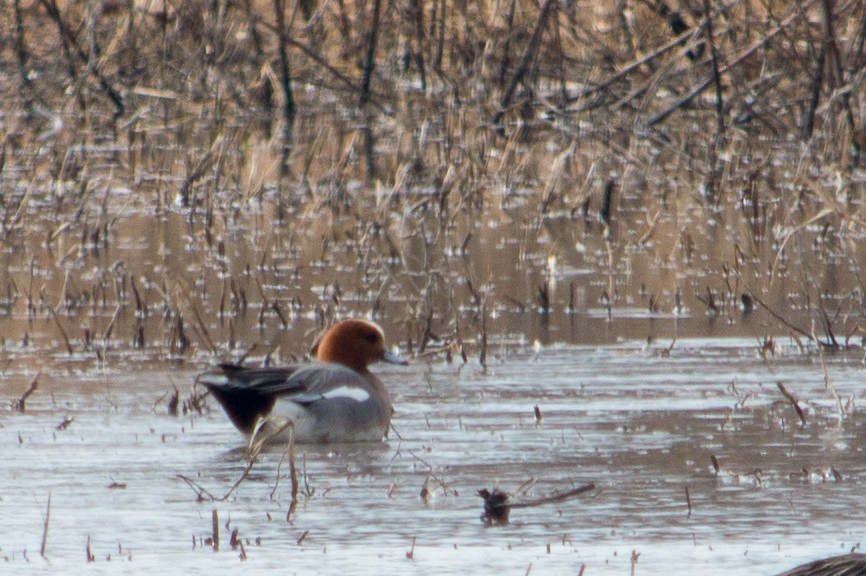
[356,344]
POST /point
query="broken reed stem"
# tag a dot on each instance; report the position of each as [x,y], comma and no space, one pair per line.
[482,355]
[688,502]
[778,317]
[828,382]
[255,447]
[556,497]
[716,466]
[200,490]
[215,527]
[44,544]
[410,555]
[88,552]
[20,405]
[62,331]
[431,472]
[203,328]
[254,452]
[289,453]
[793,400]
[293,473]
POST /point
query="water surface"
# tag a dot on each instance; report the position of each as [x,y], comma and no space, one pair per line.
[640,423]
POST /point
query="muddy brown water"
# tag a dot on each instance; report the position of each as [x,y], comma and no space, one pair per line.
[639,423]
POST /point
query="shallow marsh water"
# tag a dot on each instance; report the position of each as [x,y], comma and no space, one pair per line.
[148,238]
[99,323]
[641,424]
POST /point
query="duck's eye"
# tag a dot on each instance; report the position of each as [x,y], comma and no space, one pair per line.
[371,337]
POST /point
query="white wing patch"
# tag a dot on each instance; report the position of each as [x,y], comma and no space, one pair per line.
[351,392]
[215,379]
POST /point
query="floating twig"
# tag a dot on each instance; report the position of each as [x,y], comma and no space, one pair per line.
[497,508]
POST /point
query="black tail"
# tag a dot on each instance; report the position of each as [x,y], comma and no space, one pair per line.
[243,405]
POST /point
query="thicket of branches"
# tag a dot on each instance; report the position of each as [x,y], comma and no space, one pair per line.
[779,69]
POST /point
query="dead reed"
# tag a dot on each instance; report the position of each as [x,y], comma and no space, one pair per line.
[20,405]
[44,545]
[209,190]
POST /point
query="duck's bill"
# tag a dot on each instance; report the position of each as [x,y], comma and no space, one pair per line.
[393,358]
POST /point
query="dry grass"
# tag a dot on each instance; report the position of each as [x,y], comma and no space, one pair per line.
[684,149]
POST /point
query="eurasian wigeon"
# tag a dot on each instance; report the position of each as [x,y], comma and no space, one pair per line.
[336,399]
[844,565]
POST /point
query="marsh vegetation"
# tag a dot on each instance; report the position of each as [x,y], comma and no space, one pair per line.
[188,182]
[199,177]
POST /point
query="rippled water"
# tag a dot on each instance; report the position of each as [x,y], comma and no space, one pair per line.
[639,423]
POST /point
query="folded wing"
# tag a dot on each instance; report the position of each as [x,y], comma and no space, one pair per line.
[248,394]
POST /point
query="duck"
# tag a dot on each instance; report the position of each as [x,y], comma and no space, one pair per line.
[844,565]
[335,399]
